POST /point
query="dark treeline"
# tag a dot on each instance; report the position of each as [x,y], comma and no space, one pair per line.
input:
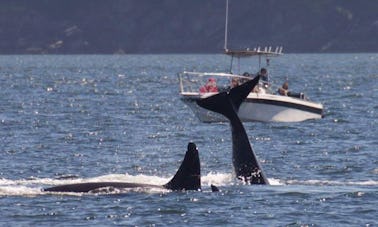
[195,26]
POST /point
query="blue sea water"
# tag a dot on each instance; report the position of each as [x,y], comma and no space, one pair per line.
[72,118]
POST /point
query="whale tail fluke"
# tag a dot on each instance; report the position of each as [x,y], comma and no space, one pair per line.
[245,163]
[188,176]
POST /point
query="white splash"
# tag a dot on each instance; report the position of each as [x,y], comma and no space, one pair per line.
[275,182]
[218,179]
[34,186]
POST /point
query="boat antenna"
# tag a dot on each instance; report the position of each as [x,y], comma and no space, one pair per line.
[226,28]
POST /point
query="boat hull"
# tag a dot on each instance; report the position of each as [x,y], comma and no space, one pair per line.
[262,107]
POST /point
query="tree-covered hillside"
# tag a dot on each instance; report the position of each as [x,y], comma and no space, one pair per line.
[195,26]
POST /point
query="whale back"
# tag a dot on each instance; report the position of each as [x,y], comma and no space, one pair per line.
[188,177]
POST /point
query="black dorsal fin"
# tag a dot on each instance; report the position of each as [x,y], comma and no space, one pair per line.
[188,176]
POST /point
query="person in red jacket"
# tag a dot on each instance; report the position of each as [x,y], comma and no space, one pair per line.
[210,86]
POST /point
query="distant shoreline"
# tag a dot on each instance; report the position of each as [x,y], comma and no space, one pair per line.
[186,27]
[173,53]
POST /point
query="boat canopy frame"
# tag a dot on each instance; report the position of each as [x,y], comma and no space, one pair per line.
[266,52]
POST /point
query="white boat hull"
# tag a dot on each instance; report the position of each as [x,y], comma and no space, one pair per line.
[262,107]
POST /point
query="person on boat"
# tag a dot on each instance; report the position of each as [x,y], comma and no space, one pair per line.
[243,80]
[284,89]
[210,86]
[246,76]
[264,77]
[234,82]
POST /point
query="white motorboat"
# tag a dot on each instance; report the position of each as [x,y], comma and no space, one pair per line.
[261,104]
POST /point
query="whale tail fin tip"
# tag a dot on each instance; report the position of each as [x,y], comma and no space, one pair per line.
[188,176]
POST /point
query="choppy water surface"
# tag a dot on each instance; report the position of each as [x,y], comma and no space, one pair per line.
[66,119]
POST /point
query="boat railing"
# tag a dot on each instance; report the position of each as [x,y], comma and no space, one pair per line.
[191,82]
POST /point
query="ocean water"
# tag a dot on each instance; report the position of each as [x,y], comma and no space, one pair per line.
[73,118]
